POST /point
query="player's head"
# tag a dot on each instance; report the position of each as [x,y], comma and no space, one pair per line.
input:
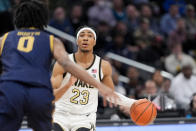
[86,39]
[31,13]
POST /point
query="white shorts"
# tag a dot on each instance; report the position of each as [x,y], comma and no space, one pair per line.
[72,122]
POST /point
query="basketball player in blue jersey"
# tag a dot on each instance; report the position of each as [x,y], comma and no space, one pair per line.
[77,101]
[26,55]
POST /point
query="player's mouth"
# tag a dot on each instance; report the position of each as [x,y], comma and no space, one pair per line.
[84,44]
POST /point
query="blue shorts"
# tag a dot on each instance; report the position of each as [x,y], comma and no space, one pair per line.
[19,99]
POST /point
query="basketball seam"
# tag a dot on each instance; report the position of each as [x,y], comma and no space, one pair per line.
[155,115]
[137,105]
[143,112]
[151,114]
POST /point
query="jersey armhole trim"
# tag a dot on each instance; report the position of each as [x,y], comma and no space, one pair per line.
[100,69]
[3,42]
[52,43]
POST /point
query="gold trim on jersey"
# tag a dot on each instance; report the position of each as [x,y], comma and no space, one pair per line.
[3,42]
[52,43]
[32,28]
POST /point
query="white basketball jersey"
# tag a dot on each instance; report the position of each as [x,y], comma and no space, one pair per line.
[81,98]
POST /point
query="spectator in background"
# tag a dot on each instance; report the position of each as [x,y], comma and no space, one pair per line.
[122,29]
[181,4]
[119,47]
[154,53]
[173,62]
[132,20]
[101,12]
[61,21]
[118,10]
[150,91]
[158,79]
[76,16]
[143,36]
[135,84]
[166,86]
[168,21]
[183,86]
[179,35]
[146,12]
[104,38]
[163,99]
[190,19]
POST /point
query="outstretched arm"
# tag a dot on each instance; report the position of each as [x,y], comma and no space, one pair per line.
[107,80]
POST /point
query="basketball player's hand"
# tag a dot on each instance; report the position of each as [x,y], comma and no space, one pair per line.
[108,94]
[105,103]
[125,110]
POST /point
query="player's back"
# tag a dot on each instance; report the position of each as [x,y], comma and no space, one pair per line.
[26,56]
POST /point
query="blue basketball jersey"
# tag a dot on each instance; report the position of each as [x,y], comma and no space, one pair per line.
[26,56]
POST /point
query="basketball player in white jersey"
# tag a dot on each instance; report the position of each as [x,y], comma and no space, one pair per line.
[76,106]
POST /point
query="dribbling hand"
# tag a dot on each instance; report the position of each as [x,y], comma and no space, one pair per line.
[108,94]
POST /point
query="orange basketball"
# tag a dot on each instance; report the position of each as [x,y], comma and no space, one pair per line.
[143,112]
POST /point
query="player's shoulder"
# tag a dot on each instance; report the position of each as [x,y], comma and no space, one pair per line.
[9,32]
[3,37]
[106,67]
[104,63]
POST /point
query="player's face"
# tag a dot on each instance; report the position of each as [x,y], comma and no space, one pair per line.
[86,41]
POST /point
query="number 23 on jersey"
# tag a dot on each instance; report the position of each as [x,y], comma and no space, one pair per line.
[85,97]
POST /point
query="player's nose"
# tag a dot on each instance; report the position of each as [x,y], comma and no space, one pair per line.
[85,39]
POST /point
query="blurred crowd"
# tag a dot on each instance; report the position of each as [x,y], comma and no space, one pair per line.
[161,34]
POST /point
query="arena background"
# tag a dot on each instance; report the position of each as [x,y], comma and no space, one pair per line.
[137,37]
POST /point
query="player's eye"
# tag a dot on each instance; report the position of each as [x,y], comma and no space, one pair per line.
[90,36]
[81,35]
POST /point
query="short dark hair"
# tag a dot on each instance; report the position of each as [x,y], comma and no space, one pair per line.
[31,13]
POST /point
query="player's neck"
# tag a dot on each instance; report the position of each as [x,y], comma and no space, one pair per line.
[84,57]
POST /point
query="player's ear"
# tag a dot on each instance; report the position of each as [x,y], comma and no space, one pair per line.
[77,41]
[94,43]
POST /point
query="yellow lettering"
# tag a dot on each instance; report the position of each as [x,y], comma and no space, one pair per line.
[28,33]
